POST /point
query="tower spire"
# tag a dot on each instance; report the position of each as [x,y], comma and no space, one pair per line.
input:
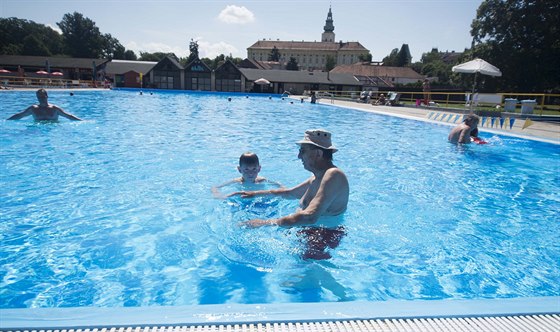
[328,34]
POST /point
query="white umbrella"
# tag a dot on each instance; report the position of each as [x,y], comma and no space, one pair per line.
[477,66]
[262,81]
[474,67]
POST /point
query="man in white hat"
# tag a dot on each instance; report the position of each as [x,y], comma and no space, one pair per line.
[325,193]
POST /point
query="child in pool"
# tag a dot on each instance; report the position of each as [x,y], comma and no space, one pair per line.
[249,167]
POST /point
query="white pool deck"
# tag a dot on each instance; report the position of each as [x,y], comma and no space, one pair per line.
[515,314]
[538,130]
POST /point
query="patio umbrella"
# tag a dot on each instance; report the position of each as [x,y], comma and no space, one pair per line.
[42,72]
[57,73]
[4,71]
[262,81]
[474,67]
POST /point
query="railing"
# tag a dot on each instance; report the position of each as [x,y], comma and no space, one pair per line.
[46,82]
[546,103]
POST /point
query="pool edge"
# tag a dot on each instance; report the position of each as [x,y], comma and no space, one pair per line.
[87,317]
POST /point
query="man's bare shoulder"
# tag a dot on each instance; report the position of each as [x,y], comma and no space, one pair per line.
[335,172]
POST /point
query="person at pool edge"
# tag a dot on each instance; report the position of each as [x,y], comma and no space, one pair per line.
[249,167]
[44,111]
[463,132]
[321,197]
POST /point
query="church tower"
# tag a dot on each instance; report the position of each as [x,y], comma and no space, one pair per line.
[328,35]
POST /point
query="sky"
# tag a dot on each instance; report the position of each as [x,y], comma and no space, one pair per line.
[230,27]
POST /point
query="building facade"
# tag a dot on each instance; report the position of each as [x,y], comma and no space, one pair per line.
[311,55]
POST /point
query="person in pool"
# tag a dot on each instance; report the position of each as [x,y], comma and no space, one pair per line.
[463,132]
[249,167]
[44,111]
[322,198]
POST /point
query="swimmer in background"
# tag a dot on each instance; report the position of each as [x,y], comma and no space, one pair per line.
[249,167]
[463,132]
[44,111]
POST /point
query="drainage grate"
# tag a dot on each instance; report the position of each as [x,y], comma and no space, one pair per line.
[525,323]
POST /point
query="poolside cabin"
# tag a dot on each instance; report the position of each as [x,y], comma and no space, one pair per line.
[228,78]
[126,73]
[166,74]
[198,76]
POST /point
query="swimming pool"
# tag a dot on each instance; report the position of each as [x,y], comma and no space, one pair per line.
[116,211]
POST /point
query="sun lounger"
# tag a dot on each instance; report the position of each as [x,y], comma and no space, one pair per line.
[393,99]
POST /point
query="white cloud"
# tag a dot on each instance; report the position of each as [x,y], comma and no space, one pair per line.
[212,50]
[236,15]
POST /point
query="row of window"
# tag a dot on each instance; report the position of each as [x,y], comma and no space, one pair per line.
[264,57]
[229,85]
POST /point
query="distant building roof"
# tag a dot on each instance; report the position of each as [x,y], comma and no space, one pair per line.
[252,63]
[305,45]
[292,76]
[54,62]
[450,57]
[365,69]
[120,67]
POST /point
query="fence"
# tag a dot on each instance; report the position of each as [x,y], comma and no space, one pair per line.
[46,82]
[546,103]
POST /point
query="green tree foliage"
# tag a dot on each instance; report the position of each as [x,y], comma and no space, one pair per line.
[81,36]
[330,63]
[193,48]
[403,57]
[522,38]
[274,55]
[434,66]
[112,48]
[23,37]
[220,60]
[130,55]
[365,57]
[398,57]
[146,56]
[34,46]
[292,64]
[391,60]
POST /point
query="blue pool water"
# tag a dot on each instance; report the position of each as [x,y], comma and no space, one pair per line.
[117,210]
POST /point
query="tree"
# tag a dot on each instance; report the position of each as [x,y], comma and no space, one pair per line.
[365,57]
[331,63]
[112,48]
[292,64]
[157,56]
[403,57]
[392,59]
[42,40]
[193,48]
[130,55]
[522,38]
[33,46]
[81,37]
[274,55]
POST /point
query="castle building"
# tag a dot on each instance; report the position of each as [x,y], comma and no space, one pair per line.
[311,55]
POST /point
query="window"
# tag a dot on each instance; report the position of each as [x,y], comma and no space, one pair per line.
[164,79]
[198,81]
